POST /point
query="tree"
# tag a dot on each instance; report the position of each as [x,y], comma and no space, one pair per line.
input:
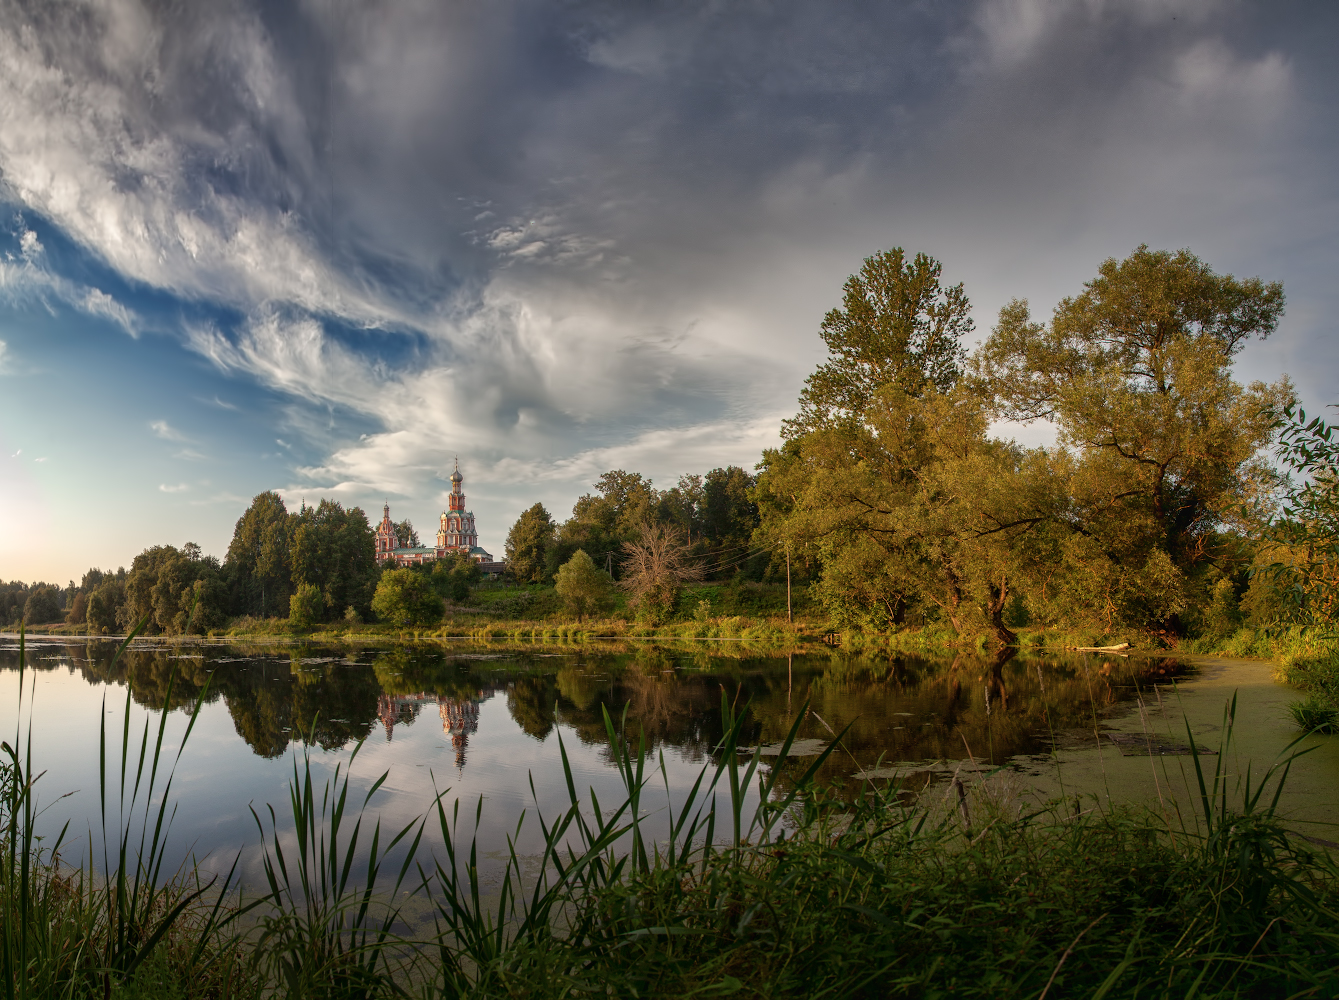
[42,606]
[104,604]
[1136,372]
[405,535]
[259,557]
[203,604]
[656,566]
[528,543]
[455,575]
[600,523]
[897,326]
[171,592]
[1302,540]
[306,607]
[405,597]
[583,586]
[334,550]
[78,611]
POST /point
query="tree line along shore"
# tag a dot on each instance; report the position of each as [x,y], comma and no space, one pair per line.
[1177,506]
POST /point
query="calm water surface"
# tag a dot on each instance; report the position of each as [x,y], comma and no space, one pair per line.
[486,720]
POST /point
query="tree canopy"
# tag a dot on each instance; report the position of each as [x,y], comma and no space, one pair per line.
[899,326]
[891,489]
[528,544]
[583,586]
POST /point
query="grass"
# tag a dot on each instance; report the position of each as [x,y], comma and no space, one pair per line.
[815,891]
[74,932]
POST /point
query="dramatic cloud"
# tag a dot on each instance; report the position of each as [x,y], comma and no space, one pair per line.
[554,239]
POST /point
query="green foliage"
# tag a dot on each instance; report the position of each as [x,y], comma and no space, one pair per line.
[334,549]
[1222,617]
[891,490]
[405,597]
[259,557]
[42,606]
[584,588]
[528,544]
[1137,373]
[306,607]
[1316,714]
[104,606]
[1302,569]
[405,535]
[273,552]
[897,327]
[174,591]
[454,576]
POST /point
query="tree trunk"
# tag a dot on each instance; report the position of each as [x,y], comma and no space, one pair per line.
[999,597]
[1002,656]
[952,599]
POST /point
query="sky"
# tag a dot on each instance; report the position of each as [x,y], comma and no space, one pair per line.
[326,247]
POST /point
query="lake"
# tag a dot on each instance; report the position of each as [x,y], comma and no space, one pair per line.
[484,720]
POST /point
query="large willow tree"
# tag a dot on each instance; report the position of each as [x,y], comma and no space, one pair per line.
[890,485]
[1136,372]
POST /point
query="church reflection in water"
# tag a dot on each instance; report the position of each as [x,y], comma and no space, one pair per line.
[459,715]
[896,708]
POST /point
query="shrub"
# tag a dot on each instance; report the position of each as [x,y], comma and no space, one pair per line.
[404,597]
[583,586]
[306,607]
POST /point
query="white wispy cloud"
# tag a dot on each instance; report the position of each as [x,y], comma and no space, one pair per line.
[28,278]
[166,431]
[178,488]
[555,275]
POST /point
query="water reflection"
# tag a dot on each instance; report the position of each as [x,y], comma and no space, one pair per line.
[893,708]
[459,715]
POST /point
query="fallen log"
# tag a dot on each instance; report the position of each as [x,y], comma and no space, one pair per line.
[1101,649]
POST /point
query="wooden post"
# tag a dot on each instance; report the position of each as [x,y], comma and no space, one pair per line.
[788,615]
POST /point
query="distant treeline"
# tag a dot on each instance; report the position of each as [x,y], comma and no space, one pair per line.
[1157,508]
[273,553]
[715,515]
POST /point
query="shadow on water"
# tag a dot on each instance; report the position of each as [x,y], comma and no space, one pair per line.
[906,714]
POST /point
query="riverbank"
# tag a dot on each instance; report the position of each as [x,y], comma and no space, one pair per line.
[861,889]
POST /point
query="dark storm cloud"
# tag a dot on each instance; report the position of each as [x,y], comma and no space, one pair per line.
[560,235]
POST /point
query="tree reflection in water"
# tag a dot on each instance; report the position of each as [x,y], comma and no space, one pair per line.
[898,708]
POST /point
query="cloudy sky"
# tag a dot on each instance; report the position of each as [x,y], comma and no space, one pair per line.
[325,246]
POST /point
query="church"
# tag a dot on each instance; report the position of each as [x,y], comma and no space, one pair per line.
[455,533]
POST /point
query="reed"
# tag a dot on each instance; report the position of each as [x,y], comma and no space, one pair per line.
[79,932]
[322,933]
[754,881]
